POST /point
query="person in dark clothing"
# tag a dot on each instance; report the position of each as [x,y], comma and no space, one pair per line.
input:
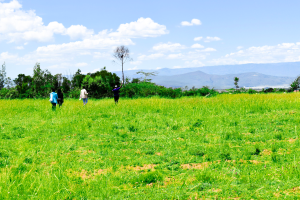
[60,99]
[116,91]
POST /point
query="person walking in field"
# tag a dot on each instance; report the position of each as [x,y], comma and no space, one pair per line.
[116,91]
[53,99]
[83,95]
[60,97]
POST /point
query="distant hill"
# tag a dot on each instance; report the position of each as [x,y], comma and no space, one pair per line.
[291,69]
[221,77]
[199,79]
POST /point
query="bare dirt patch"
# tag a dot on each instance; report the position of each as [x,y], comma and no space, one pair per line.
[85,152]
[291,140]
[266,152]
[84,174]
[295,190]
[247,133]
[195,165]
[215,190]
[144,167]
[283,151]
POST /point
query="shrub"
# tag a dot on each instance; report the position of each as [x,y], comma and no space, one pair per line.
[281,90]
[147,178]
[268,90]
[225,156]
[196,152]
[251,91]
[205,176]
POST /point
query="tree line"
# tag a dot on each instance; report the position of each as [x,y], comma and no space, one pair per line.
[98,84]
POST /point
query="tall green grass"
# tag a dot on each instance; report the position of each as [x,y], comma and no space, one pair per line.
[226,146]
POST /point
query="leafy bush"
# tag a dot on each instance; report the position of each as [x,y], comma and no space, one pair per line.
[251,91]
[268,90]
[147,178]
[11,93]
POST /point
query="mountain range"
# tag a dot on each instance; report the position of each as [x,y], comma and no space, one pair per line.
[221,77]
[199,79]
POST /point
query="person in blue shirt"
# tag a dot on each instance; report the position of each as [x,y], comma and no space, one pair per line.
[116,91]
[53,99]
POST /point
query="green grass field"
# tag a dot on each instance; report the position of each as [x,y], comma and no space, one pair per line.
[228,146]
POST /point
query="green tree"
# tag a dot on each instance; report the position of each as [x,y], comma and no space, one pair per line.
[66,85]
[100,83]
[9,83]
[23,85]
[146,75]
[2,76]
[236,81]
[57,81]
[295,84]
[37,80]
[135,80]
[77,79]
[49,82]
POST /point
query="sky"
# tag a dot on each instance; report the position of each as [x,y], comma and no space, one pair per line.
[64,36]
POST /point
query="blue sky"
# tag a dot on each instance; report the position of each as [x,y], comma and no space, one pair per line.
[66,35]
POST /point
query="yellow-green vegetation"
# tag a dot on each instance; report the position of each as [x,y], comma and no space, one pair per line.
[229,146]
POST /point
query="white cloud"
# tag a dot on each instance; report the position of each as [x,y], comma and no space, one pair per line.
[78,31]
[54,67]
[143,27]
[134,68]
[96,70]
[285,52]
[102,55]
[86,44]
[93,71]
[103,43]
[138,62]
[194,63]
[168,47]
[193,22]
[209,49]
[83,64]
[177,67]
[239,47]
[198,38]
[7,56]
[196,46]
[151,56]
[195,55]
[85,53]
[17,24]
[175,56]
[56,27]
[19,47]
[210,39]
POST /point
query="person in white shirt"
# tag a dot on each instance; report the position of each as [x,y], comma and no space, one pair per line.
[83,96]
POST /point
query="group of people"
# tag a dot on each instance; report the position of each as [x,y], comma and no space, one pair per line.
[58,98]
